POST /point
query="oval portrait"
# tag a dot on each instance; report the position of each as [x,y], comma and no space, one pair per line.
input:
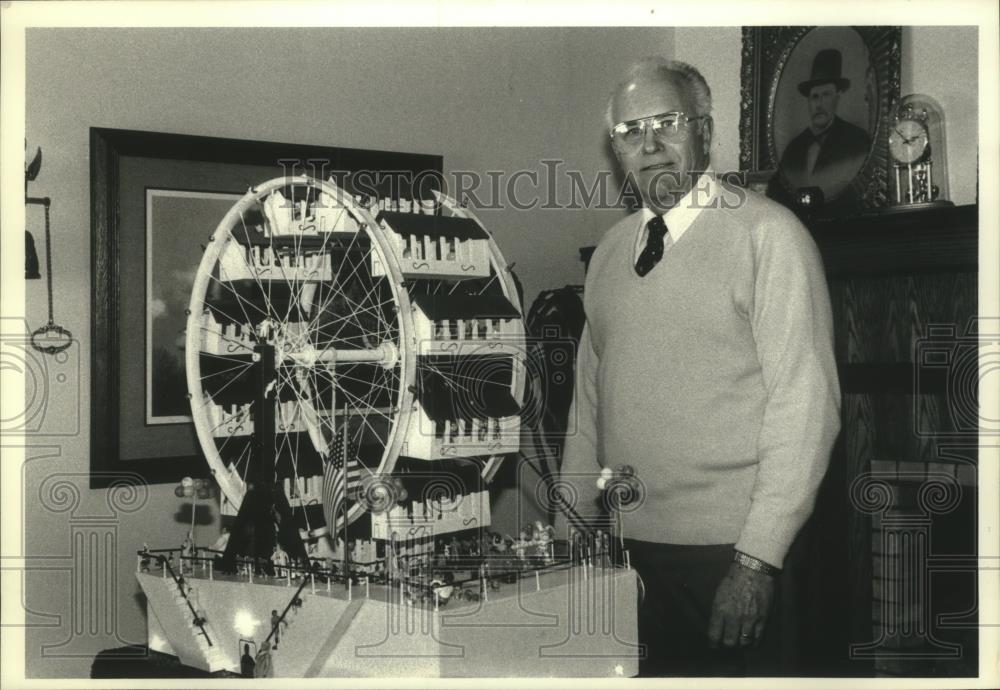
[824,111]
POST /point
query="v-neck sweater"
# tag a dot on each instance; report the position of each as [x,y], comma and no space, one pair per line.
[713,376]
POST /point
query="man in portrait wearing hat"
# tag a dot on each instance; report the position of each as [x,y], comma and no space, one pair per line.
[829,152]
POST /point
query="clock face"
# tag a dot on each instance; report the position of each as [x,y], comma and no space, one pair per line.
[908,141]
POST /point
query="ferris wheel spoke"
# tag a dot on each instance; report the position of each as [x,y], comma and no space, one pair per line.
[284,444]
[220,425]
[292,285]
[383,387]
[337,277]
[238,365]
[350,308]
[248,454]
[377,314]
[347,250]
[343,313]
[341,278]
[243,251]
[238,298]
[367,404]
[222,336]
[246,446]
[357,308]
[351,319]
[228,383]
[364,417]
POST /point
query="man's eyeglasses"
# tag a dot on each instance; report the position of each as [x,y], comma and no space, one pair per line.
[666,127]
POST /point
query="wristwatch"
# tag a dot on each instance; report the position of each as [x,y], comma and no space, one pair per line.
[755,564]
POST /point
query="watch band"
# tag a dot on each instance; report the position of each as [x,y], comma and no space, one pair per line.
[755,564]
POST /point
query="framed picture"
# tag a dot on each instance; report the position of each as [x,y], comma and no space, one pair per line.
[155,200]
[815,110]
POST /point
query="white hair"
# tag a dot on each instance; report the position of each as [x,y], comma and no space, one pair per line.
[668,71]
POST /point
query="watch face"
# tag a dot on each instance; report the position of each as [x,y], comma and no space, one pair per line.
[907,141]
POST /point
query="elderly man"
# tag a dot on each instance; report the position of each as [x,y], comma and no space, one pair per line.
[706,364]
[830,151]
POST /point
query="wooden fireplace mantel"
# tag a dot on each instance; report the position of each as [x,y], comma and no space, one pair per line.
[903,242]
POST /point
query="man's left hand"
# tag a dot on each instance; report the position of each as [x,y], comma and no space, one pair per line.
[739,610]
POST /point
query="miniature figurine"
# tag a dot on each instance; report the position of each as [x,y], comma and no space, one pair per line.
[187,553]
[145,558]
[280,560]
[222,542]
[262,667]
[410,597]
[443,588]
[497,543]
[276,623]
[542,537]
[247,663]
[522,544]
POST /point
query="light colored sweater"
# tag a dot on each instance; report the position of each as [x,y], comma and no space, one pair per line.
[713,376]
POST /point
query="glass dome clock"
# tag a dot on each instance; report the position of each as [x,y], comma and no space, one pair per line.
[918,152]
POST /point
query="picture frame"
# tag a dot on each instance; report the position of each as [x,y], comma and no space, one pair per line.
[130,173]
[815,109]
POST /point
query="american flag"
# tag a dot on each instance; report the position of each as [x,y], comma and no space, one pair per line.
[339,482]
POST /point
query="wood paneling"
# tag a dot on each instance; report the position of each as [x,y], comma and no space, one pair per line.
[900,285]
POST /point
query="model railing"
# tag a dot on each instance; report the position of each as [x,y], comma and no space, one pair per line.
[295,600]
[164,561]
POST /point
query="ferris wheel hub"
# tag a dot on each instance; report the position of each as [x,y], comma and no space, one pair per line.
[386,355]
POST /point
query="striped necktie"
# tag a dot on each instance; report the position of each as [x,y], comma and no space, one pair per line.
[653,251]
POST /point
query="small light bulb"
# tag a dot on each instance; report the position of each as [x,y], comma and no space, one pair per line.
[244,623]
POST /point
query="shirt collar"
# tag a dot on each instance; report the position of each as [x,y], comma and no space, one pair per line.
[680,217]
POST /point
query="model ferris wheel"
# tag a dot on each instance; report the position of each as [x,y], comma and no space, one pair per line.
[387,332]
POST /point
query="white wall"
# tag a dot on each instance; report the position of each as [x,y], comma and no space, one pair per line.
[940,61]
[486,99]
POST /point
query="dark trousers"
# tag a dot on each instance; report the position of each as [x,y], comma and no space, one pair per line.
[679,583]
